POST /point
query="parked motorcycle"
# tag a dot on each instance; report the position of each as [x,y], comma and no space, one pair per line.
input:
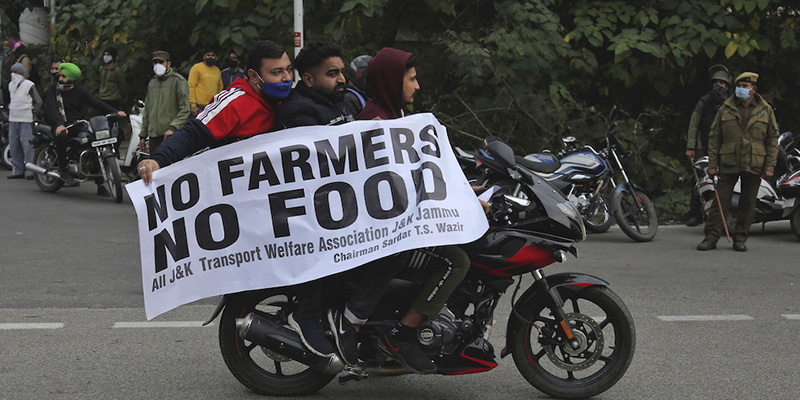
[91,154]
[569,334]
[129,151]
[775,201]
[5,143]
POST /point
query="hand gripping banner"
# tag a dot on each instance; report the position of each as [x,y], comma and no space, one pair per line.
[295,205]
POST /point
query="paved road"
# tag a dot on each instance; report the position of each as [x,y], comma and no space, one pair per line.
[716,325]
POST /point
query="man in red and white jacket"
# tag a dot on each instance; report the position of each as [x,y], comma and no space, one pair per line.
[246,108]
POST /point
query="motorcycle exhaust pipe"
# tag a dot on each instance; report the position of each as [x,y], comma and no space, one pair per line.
[284,341]
[41,171]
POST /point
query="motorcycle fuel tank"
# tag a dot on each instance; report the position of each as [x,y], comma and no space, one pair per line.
[581,163]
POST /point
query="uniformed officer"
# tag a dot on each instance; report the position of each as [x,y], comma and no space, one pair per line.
[742,144]
[699,124]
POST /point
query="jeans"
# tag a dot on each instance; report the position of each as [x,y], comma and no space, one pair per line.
[20,135]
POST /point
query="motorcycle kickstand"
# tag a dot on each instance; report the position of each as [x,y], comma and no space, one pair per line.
[353,373]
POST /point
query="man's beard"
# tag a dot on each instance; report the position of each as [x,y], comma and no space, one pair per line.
[337,95]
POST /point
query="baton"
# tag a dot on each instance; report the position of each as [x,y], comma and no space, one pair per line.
[719,206]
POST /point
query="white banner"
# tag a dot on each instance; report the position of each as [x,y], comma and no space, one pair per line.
[299,204]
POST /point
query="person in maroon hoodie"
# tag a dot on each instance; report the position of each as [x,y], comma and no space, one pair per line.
[392,81]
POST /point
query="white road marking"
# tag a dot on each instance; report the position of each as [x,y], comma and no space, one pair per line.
[693,318]
[32,325]
[162,324]
[791,316]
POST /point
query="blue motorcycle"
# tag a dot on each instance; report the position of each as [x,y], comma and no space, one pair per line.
[587,177]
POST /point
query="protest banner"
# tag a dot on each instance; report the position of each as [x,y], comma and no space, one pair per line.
[291,206]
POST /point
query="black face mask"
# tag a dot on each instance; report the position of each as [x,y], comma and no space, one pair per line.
[719,94]
[209,61]
[233,64]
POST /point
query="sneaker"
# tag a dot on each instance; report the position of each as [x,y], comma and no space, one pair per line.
[407,353]
[312,333]
[345,336]
[102,192]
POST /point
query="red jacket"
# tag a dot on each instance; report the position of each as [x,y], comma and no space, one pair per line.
[237,112]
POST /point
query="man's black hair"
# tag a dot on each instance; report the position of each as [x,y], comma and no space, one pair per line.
[411,63]
[209,49]
[314,53]
[260,50]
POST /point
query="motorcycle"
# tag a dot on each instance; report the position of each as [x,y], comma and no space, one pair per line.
[129,151]
[774,202]
[569,334]
[586,177]
[91,154]
[5,143]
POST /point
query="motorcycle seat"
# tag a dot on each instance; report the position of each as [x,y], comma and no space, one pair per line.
[540,162]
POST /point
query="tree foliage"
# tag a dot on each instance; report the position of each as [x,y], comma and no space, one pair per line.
[520,69]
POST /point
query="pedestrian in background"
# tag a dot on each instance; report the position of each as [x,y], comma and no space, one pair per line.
[113,84]
[742,144]
[25,100]
[233,71]
[205,81]
[166,106]
[699,125]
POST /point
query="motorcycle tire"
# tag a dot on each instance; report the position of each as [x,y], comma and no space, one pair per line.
[640,225]
[598,220]
[795,222]
[6,158]
[45,157]
[606,348]
[113,182]
[257,367]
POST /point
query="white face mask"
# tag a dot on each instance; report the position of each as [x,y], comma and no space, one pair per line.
[16,78]
[107,59]
[743,93]
[159,69]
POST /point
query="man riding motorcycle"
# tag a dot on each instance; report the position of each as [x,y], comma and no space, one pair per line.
[64,103]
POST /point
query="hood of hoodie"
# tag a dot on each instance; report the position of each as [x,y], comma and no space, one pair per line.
[385,80]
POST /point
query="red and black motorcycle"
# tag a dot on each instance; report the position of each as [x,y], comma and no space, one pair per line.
[569,334]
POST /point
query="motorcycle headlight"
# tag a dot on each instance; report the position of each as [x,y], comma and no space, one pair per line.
[569,209]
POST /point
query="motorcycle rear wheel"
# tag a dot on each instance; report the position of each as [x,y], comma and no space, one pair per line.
[599,220]
[603,325]
[45,157]
[114,180]
[640,225]
[256,367]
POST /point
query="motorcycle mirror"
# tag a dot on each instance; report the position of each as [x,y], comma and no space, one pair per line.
[613,115]
[501,152]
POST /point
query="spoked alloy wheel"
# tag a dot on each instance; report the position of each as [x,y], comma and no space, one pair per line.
[599,219]
[45,157]
[603,329]
[256,367]
[113,180]
[636,216]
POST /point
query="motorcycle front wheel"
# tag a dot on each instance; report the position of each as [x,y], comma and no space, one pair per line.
[114,180]
[795,222]
[256,367]
[598,217]
[6,159]
[45,157]
[640,224]
[602,326]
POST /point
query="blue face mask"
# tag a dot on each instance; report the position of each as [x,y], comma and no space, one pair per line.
[278,90]
[742,93]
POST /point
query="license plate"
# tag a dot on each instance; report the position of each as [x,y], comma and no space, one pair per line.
[98,143]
